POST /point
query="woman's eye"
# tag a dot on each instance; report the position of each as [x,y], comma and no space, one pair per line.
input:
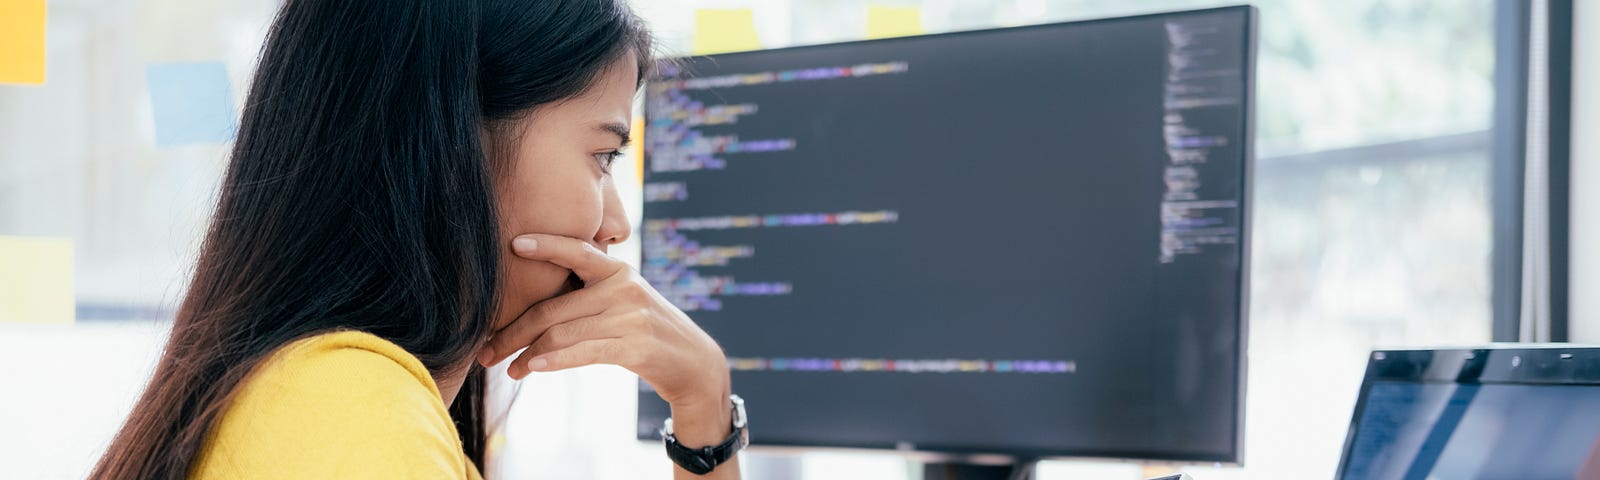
[606,159]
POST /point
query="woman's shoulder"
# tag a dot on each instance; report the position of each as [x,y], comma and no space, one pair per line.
[340,364]
[342,404]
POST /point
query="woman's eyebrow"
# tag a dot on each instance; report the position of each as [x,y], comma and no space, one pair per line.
[620,130]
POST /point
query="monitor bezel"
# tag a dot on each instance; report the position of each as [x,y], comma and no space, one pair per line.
[984,454]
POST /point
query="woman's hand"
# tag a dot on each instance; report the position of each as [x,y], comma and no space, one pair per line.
[617,319]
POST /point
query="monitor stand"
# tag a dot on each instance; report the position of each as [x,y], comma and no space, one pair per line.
[1023,469]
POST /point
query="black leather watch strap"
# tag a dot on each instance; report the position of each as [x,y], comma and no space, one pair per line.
[703,460]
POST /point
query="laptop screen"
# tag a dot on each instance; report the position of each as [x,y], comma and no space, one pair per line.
[1464,417]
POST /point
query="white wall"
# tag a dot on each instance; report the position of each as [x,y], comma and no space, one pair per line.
[65,389]
[1584,316]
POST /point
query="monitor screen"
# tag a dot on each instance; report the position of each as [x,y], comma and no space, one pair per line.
[1466,421]
[1024,241]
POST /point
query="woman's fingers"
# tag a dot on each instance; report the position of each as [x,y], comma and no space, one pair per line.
[541,316]
[608,351]
[591,264]
[559,336]
[637,328]
[632,326]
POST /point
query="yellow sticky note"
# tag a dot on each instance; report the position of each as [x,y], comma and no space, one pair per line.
[35,279]
[724,30]
[887,21]
[22,41]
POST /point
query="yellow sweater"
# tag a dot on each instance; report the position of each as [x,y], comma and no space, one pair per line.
[337,405]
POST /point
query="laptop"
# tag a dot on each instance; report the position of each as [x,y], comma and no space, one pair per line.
[1502,412]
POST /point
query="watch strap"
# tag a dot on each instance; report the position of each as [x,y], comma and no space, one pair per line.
[703,460]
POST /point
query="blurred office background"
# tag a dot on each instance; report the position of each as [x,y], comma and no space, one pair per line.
[1386,216]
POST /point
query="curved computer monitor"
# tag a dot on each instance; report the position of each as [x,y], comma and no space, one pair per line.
[1025,241]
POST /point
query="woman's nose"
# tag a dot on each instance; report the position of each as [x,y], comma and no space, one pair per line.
[614,227]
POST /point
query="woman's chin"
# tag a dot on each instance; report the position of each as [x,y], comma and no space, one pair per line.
[518,305]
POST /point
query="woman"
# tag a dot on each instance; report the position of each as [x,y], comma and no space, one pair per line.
[418,188]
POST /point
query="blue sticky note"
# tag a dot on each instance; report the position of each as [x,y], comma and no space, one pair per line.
[192,103]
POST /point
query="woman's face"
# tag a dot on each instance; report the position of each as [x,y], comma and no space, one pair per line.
[555,182]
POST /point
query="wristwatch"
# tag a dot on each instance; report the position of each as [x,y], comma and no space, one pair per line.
[703,460]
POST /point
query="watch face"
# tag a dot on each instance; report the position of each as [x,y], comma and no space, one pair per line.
[739,418]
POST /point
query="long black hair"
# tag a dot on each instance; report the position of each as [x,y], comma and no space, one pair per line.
[360,196]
